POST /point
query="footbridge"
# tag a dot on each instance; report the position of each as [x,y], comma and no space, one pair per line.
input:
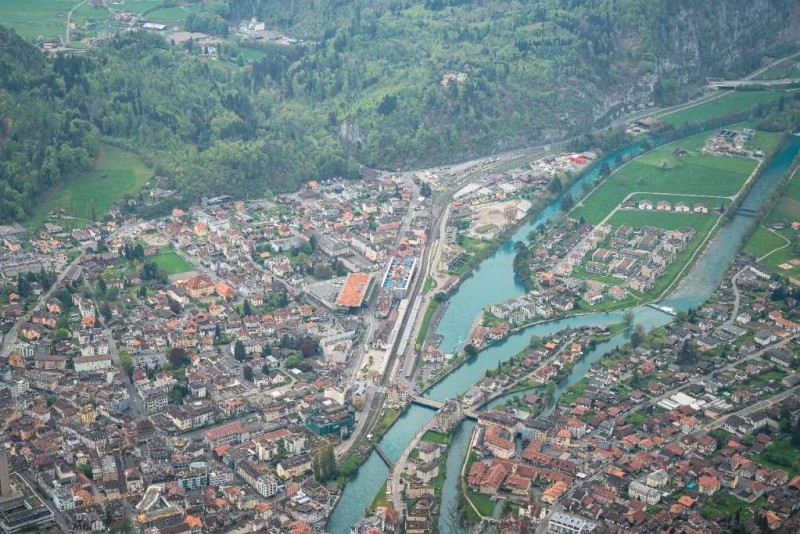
[437,405]
[384,456]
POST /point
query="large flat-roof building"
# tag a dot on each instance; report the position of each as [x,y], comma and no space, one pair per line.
[21,509]
[353,291]
[562,523]
[398,276]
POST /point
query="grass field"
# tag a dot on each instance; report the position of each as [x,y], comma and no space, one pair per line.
[784,257]
[115,173]
[436,437]
[787,69]
[171,263]
[762,242]
[788,207]
[730,103]
[34,18]
[661,171]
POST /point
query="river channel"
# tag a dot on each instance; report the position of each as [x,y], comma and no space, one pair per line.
[493,281]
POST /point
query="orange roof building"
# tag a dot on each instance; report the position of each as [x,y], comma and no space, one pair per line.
[353,291]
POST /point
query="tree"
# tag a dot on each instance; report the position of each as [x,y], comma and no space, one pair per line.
[177,357]
[308,347]
[637,336]
[105,311]
[247,372]
[796,435]
[239,351]
[471,350]
[126,362]
[324,464]
[627,318]
[247,309]
[567,202]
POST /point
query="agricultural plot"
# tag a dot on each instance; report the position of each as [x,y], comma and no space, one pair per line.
[732,102]
[664,171]
[115,174]
[46,19]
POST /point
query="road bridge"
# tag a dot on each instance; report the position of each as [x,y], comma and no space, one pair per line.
[766,84]
[437,405]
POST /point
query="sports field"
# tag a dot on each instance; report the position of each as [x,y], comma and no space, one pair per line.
[170,262]
[115,174]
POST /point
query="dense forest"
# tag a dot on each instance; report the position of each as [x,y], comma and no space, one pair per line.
[383,83]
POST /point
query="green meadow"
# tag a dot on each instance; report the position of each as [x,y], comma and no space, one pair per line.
[115,174]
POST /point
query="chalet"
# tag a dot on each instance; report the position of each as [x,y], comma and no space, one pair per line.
[645,205]
[699,208]
[663,205]
[682,207]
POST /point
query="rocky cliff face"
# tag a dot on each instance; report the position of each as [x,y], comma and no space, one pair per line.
[724,38]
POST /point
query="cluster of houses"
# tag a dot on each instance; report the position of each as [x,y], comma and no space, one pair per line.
[647,426]
[664,205]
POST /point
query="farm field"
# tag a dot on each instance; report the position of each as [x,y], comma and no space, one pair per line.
[115,174]
[33,19]
[661,171]
[732,102]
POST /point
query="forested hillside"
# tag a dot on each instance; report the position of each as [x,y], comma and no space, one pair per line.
[389,83]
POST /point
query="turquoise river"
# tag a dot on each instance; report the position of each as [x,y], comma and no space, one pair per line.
[493,281]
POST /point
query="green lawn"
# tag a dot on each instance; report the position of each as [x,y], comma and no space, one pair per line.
[427,285]
[381,498]
[762,242]
[436,437]
[660,171]
[483,503]
[730,103]
[783,257]
[115,174]
[433,305]
[723,503]
[171,263]
[781,455]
